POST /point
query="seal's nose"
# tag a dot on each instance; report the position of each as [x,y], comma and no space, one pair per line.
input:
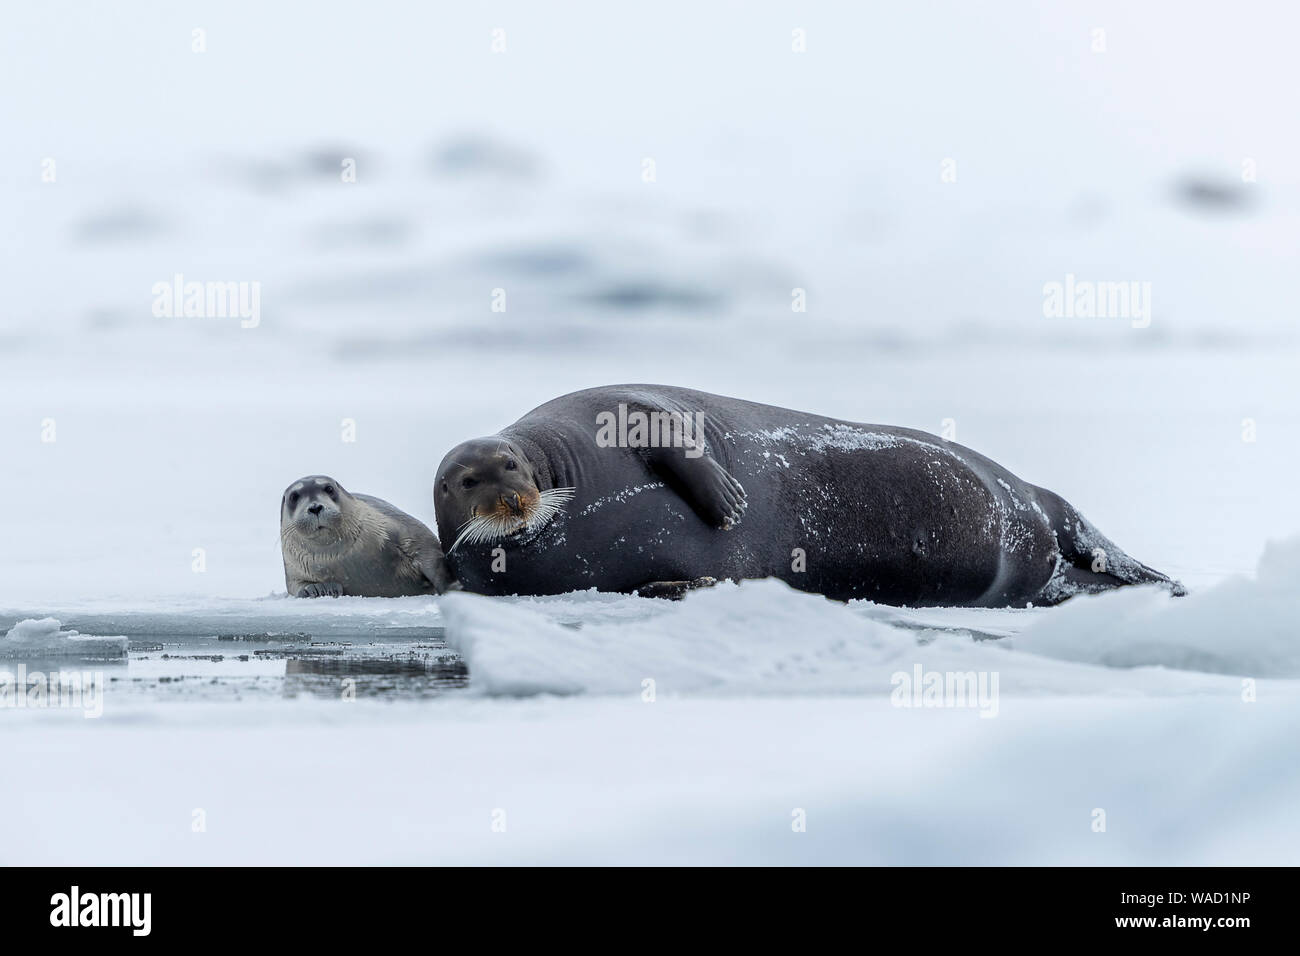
[316,509]
[515,505]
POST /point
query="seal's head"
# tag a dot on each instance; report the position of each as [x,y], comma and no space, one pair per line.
[314,508]
[487,489]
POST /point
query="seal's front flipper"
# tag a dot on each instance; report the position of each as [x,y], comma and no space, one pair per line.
[433,565]
[673,590]
[709,488]
[327,589]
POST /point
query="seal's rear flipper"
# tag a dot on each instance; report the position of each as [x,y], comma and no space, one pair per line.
[1094,562]
[1084,580]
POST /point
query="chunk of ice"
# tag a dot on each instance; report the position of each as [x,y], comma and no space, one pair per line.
[43,637]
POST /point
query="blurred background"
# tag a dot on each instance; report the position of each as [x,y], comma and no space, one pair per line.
[455,213]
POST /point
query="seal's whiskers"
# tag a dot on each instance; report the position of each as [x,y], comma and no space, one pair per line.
[493,527]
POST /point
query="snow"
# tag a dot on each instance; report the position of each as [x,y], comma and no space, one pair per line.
[766,703]
[144,457]
[1241,626]
[689,647]
[677,781]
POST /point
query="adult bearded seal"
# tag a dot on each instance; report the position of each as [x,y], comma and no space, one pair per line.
[650,487]
[336,543]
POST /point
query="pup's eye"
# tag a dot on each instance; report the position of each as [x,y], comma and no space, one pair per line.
[468,482]
[444,487]
[510,464]
[293,499]
[329,489]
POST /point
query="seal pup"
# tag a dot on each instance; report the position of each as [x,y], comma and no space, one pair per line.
[631,487]
[336,543]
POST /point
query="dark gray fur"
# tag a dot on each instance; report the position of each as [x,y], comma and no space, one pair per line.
[888,514]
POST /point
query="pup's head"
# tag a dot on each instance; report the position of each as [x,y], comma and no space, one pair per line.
[313,507]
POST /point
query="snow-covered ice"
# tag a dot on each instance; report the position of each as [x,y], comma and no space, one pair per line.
[690,780]
[765,702]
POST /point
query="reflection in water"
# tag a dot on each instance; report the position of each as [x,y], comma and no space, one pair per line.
[407,677]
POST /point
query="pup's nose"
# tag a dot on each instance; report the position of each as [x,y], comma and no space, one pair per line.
[514,504]
[316,509]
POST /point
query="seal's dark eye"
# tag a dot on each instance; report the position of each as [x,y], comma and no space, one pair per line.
[444,487]
[510,464]
[329,489]
[468,482]
[293,499]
